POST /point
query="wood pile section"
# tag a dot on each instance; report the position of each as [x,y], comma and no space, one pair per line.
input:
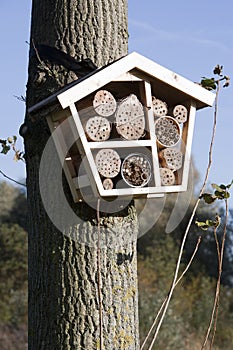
[98,129]
[130,120]
[136,170]
[126,117]
[104,103]
[108,163]
[168,131]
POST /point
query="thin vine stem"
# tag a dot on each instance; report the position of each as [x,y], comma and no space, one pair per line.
[216,292]
[220,252]
[221,264]
[178,281]
[173,285]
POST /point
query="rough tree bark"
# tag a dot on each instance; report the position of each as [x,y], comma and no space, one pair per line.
[64,308]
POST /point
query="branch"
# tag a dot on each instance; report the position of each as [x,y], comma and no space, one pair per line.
[50,72]
[173,285]
[9,178]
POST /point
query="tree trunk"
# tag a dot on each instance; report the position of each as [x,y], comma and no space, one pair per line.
[80,296]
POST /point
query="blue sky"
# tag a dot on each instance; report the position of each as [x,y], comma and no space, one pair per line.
[188,37]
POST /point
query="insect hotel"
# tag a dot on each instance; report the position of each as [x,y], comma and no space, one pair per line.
[126,129]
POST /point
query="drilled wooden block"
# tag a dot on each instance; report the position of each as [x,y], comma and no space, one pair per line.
[136,170]
[171,158]
[167,177]
[108,162]
[159,107]
[167,131]
[104,103]
[107,184]
[180,113]
[130,120]
[98,129]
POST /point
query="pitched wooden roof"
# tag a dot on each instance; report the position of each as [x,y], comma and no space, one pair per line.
[136,64]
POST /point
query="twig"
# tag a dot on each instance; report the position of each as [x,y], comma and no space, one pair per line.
[190,261]
[214,315]
[51,73]
[216,293]
[9,178]
[189,223]
[178,281]
[220,269]
[18,154]
[37,53]
[99,277]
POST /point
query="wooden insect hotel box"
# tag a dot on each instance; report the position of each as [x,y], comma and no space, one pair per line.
[126,129]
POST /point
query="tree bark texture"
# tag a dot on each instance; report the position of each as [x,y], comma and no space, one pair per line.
[71,282]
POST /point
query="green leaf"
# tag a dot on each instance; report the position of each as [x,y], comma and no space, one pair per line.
[205,225]
[210,223]
[10,140]
[209,198]
[5,149]
[221,191]
[219,188]
[3,142]
[227,81]
[202,225]
[208,83]
[218,70]
[18,155]
[229,185]
[220,194]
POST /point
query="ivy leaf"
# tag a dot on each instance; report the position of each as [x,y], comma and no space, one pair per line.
[220,194]
[10,140]
[208,83]
[229,185]
[3,142]
[220,188]
[227,81]
[221,191]
[18,155]
[218,70]
[5,149]
[205,225]
[209,198]
[202,225]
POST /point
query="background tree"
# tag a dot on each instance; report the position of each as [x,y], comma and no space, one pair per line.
[190,309]
[70,307]
[13,268]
